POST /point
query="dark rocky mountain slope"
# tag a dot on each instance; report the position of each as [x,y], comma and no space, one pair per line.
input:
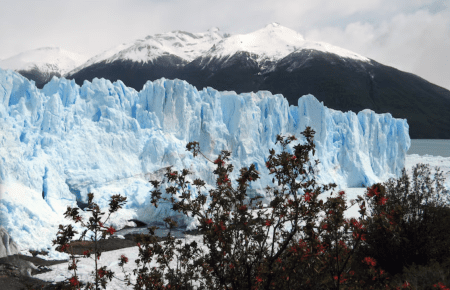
[341,83]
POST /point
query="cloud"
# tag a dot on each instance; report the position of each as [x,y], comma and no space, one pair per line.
[412,35]
[418,42]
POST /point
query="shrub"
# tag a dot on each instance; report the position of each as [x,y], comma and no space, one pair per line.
[258,252]
[409,224]
[99,230]
[299,242]
[430,277]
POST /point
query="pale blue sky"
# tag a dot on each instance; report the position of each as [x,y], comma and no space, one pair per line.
[411,35]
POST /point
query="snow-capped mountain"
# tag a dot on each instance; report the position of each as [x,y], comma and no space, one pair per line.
[61,142]
[279,60]
[269,44]
[42,64]
[180,44]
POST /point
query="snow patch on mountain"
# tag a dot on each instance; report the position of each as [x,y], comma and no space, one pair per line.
[272,43]
[179,43]
[61,142]
[46,59]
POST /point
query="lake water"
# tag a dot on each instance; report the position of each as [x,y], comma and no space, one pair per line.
[430,147]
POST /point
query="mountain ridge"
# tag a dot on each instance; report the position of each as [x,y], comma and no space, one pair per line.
[279,60]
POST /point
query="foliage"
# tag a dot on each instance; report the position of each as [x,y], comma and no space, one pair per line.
[99,230]
[300,241]
[409,224]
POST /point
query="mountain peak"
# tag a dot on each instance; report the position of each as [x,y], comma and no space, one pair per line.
[214,29]
[48,48]
[273,24]
[274,42]
[183,44]
[53,59]
[271,42]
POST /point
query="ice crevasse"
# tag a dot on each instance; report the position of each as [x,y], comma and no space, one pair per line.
[63,141]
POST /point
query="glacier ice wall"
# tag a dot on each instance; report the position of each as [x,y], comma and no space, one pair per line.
[61,142]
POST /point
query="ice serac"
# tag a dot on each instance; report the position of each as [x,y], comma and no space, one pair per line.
[61,142]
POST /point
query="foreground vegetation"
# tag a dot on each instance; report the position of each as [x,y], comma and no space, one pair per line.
[301,241]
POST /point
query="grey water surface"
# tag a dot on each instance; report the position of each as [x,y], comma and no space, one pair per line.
[438,147]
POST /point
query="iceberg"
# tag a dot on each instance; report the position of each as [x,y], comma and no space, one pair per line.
[61,142]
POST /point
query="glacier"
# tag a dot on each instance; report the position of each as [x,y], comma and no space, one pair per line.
[63,141]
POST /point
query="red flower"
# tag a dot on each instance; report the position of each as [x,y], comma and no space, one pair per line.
[370,261]
[64,247]
[442,286]
[85,253]
[383,200]
[308,196]
[139,245]
[373,191]
[258,279]
[209,221]
[101,273]
[325,226]
[321,248]
[78,218]
[352,273]
[243,207]
[341,193]
[267,223]
[302,243]
[356,224]
[221,227]
[268,164]
[342,244]
[74,281]
[100,224]
[123,259]
[293,157]
[111,230]
[231,266]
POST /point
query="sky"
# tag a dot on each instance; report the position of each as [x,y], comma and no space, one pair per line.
[411,35]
